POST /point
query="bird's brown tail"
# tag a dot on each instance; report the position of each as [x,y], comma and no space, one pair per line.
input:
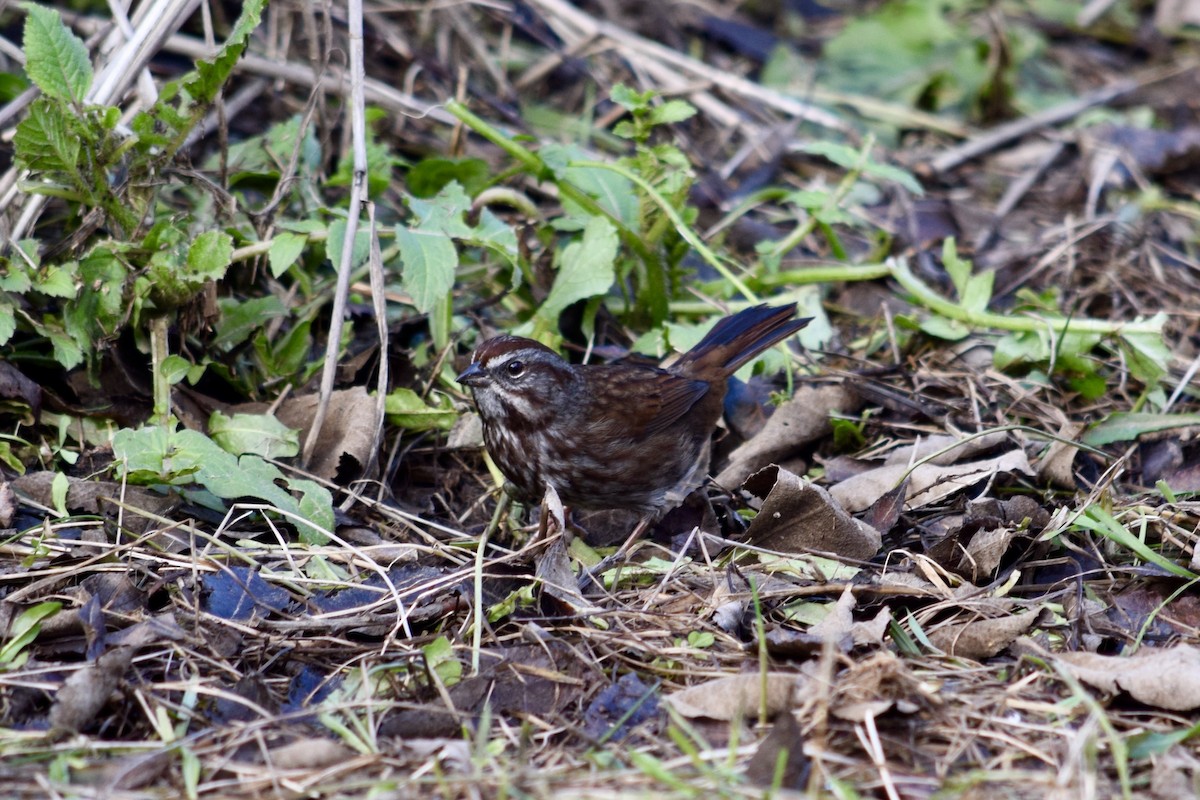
[738,338]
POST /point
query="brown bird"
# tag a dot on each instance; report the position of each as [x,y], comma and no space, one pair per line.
[615,436]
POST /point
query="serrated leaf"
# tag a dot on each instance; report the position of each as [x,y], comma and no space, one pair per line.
[430,260]
[586,269]
[44,142]
[258,434]
[186,457]
[66,350]
[444,213]
[210,255]
[58,280]
[182,103]
[55,58]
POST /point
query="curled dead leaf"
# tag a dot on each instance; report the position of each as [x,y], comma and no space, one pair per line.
[799,517]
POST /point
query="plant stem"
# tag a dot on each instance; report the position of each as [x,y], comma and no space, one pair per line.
[1006,322]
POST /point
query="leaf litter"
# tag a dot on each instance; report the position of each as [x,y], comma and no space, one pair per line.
[1016,618]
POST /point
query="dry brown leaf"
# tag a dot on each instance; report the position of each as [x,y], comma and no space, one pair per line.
[876,684]
[928,483]
[786,741]
[87,690]
[98,497]
[984,552]
[982,638]
[1167,679]
[1057,467]
[348,430]
[957,448]
[802,419]
[800,517]
[309,754]
[736,697]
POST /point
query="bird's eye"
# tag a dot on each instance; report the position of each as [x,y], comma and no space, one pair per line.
[515,369]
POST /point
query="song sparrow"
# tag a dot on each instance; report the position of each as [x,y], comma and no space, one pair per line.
[616,436]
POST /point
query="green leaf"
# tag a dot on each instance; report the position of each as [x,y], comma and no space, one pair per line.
[1146,355]
[210,255]
[259,434]
[406,409]
[672,111]
[182,458]
[440,659]
[850,158]
[1127,426]
[431,175]
[430,260]
[44,140]
[58,280]
[182,103]
[175,368]
[1099,521]
[240,318]
[286,248]
[25,628]
[55,58]
[586,269]
[59,486]
[67,350]
[949,329]
[613,192]
[444,213]
[8,321]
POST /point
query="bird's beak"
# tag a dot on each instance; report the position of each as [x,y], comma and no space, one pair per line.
[473,375]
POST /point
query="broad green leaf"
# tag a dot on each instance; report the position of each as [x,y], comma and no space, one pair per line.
[175,368]
[337,240]
[430,260]
[444,213]
[58,280]
[186,457]
[240,318]
[406,409]
[430,176]
[286,248]
[586,268]
[55,58]
[440,658]
[614,193]
[942,328]
[67,350]
[259,434]
[210,255]
[44,140]
[1146,355]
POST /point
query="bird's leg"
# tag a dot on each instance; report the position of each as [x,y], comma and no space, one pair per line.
[617,557]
